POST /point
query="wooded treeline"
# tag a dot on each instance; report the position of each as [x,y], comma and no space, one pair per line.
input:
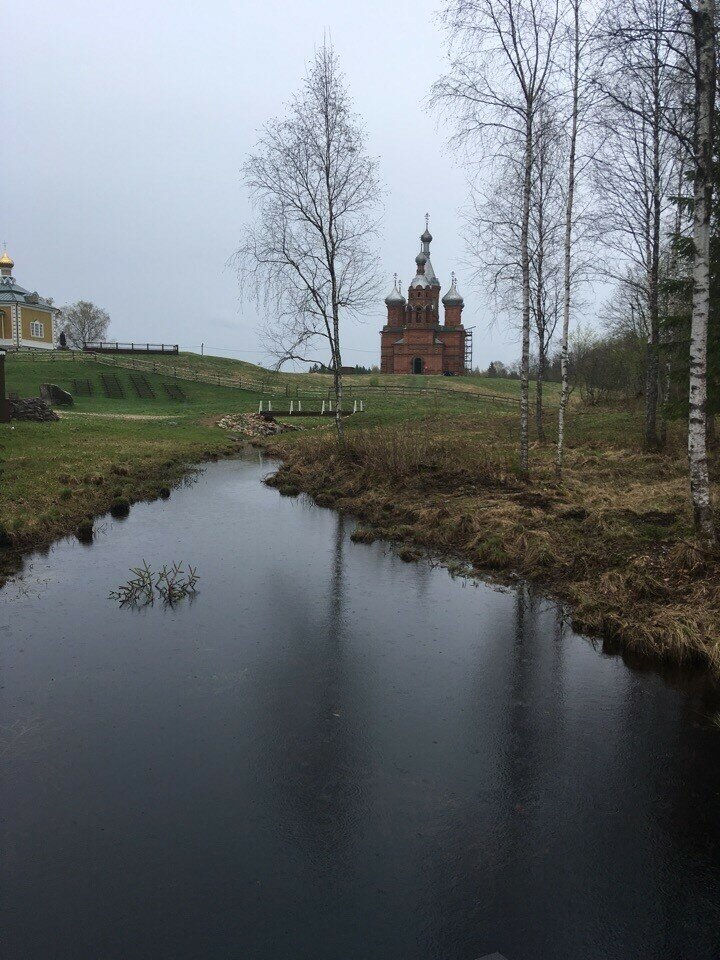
[588,129]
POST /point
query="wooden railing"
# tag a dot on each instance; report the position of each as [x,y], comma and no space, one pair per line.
[101,346]
[266,387]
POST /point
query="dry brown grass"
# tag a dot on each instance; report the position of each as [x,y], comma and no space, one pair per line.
[615,538]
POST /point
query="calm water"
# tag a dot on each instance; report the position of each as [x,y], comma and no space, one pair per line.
[335,755]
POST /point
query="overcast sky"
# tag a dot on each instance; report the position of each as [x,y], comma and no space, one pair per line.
[125,126]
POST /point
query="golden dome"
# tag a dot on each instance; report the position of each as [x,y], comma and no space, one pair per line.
[6,260]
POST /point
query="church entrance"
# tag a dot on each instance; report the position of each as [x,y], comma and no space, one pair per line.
[417,365]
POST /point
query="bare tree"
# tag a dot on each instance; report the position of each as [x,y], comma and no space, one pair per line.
[83,322]
[546,221]
[636,161]
[501,65]
[308,256]
[494,224]
[702,16]
[577,45]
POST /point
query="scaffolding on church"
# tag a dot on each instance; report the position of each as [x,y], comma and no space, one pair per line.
[468,350]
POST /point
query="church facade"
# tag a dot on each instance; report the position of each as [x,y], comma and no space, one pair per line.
[26,320]
[413,339]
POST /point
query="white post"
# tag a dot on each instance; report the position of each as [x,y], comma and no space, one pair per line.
[291,408]
[300,406]
[354,406]
[362,406]
[270,406]
[322,412]
[260,407]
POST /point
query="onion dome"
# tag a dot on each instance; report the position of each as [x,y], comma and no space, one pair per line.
[421,259]
[452,298]
[426,237]
[6,260]
[395,297]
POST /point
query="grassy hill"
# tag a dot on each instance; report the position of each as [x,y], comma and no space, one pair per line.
[370,383]
[386,398]
[24,376]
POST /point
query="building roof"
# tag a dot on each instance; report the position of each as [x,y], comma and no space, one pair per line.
[430,274]
[395,296]
[12,292]
[452,298]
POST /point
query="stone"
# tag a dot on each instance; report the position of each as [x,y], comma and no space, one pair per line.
[254,424]
[52,393]
[32,408]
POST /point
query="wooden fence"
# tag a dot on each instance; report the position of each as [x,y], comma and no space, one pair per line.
[113,346]
[262,386]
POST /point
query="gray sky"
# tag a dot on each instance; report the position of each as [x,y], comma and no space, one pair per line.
[125,126]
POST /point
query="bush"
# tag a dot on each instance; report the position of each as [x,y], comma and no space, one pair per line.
[120,507]
[84,531]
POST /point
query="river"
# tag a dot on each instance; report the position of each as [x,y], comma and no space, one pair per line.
[333,754]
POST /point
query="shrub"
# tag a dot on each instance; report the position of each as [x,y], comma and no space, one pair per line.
[84,531]
[120,507]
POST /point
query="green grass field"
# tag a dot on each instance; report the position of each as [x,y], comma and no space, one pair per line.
[204,399]
[25,376]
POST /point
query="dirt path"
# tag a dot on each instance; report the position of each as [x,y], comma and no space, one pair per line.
[117,416]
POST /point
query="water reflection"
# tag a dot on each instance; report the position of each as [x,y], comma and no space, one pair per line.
[334,753]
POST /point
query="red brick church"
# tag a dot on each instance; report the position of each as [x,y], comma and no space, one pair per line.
[413,340]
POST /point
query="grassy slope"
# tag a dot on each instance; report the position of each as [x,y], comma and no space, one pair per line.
[57,474]
[222,366]
[25,377]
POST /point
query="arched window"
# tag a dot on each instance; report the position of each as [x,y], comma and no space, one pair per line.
[417,365]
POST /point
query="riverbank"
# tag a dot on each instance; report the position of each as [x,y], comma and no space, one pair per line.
[614,539]
[57,476]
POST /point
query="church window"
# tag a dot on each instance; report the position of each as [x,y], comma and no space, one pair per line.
[37,329]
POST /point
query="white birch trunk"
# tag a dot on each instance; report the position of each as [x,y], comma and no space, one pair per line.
[564,366]
[704,35]
[525,265]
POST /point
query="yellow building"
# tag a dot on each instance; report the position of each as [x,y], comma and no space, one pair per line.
[26,320]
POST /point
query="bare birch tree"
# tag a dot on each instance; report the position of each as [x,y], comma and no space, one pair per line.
[636,162]
[577,45]
[546,221]
[501,65]
[308,257]
[494,225]
[702,16]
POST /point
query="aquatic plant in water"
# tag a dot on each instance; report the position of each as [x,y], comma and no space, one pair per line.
[169,585]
